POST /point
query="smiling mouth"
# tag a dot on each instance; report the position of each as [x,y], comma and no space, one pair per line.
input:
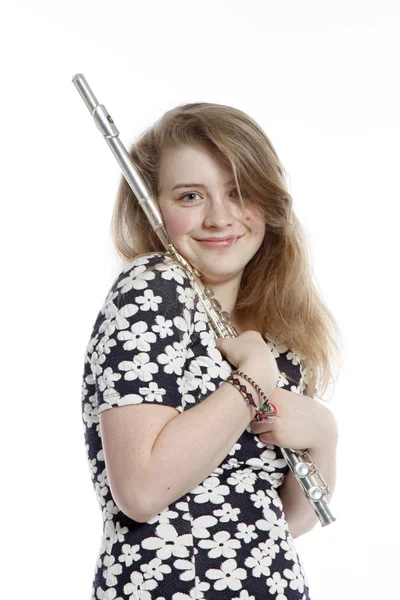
[219,243]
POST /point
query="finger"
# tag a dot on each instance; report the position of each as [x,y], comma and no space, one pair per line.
[267,437]
[262,426]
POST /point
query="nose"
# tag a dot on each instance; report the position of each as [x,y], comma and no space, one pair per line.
[218,215]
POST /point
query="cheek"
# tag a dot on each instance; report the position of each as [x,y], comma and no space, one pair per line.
[254,221]
[177,224]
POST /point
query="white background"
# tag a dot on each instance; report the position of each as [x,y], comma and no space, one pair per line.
[322,79]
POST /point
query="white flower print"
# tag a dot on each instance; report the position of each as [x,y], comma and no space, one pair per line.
[126,400]
[200,587]
[259,563]
[96,360]
[135,589]
[187,383]
[187,569]
[163,327]
[293,357]
[109,510]
[276,346]
[120,319]
[186,296]
[129,554]
[107,328]
[235,447]
[222,544]
[296,578]
[232,463]
[92,467]
[243,480]
[276,527]
[155,569]
[218,365]
[184,323]
[113,294]
[270,460]
[138,338]
[172,270]
[89,413]
[282,380]
[168,543]
[152,393]
[201,320]
[229,576]
[246,532]
[276,584]
[210,491]
[200,526]
[165,516]
[112,570]
[110,594]
[217,472]
[202,379]
[244,595]
[140,367]
[275,479]
[261,499]
[101,492]
[107,379]
[269,548]
[208,363]
[118,531]
[227,513]
[143,260]
[187,399]
[136,280]
[91,346]
[290,552]
[149,301]
[207,338]
[173,358]
[296,389]
[102,485]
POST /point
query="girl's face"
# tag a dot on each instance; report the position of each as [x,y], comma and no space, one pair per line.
[198,200]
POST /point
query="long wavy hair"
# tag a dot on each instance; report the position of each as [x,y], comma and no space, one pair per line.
[277,286]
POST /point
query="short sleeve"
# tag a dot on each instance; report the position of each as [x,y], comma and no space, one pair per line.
[291,368]
[141,339]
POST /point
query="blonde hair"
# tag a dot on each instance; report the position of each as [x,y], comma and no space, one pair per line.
[277,287]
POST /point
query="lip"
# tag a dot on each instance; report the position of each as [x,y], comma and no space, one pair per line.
[219,243]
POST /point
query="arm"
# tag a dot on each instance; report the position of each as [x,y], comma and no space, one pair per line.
[303,423]
[196,440]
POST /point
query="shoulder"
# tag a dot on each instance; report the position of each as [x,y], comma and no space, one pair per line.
[151,270]
[152,282]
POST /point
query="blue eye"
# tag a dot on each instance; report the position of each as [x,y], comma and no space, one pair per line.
[182,198]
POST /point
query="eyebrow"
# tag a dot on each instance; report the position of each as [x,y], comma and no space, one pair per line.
[199,185]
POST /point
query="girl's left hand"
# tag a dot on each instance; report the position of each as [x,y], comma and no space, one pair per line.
[301,423]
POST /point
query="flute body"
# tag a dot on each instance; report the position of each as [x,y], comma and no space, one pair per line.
[299,461]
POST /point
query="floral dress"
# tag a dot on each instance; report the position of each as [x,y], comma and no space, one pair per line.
[226,539]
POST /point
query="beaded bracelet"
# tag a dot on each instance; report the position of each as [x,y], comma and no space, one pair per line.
[242,389]
[266,410]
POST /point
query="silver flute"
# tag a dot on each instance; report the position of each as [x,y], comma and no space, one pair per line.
[299,461]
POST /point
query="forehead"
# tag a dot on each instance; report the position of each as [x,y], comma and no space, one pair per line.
[194,163]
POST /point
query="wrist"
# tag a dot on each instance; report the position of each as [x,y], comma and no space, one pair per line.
[266,381]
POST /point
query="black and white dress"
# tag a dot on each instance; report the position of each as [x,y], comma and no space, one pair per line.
[227,539]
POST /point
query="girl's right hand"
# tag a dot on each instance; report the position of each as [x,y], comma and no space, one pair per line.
[249,353]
